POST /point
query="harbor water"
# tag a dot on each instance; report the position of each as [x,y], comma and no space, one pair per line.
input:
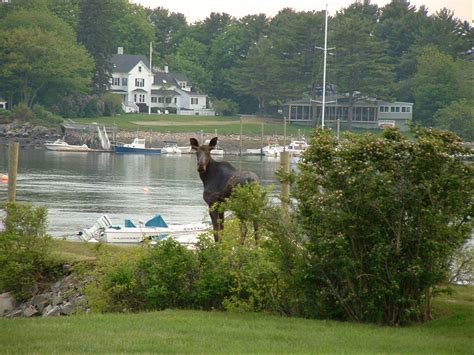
[77,188]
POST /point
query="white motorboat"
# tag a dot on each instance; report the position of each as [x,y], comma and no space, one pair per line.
[217,149]
[297,147]
[272,150]
[154,230]
[61,146]
[170,147]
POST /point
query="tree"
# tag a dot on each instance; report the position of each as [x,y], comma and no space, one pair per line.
[361,64]
[209,29]
[382,217]
[457,117]
[134,31]
[66,10]
[34,62]
[190,58]
[435,84]
[257,76]
[170,28]
[95,33]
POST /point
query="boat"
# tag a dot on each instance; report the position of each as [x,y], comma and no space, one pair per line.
[153,230]
[186,149]
[61,146]
[297,147]
[272,150]
[170,147]
[136,147]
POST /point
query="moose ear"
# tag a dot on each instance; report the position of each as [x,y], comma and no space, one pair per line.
[213,142]
[194,143]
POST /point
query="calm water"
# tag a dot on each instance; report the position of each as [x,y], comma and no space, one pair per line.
[78,188]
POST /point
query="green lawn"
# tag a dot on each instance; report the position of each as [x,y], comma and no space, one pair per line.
[174,331]
[180,124]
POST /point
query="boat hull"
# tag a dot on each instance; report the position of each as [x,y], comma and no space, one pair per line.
[133,150]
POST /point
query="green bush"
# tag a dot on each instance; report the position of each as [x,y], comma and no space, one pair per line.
[225,107]
[166,276]
[383,217]
[6,116]
[23,113]
[25,255]
[45,117]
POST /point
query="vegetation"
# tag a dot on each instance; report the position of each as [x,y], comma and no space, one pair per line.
[383,217]
[208,124]
[247,65]
[24,250]
[187,331]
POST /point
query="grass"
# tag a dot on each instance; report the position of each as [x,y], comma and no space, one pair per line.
[173,331]
[184,124]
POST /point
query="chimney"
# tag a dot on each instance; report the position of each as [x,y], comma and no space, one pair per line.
[166,68]
[120,50]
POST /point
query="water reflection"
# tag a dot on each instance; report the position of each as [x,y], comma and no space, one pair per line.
[77,188]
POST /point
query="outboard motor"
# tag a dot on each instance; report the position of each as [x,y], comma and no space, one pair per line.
[93,232]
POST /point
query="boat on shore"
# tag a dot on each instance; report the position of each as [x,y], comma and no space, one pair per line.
[153,230]
[170,147]
[136,147]
[297,147]
[61,146]
[272,150]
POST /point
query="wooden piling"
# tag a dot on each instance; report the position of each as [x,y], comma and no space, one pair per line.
[285,186]
[13,150]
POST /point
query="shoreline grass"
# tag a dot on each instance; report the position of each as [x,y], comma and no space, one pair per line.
[174,331]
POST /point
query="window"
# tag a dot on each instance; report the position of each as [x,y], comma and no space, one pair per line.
[139,82]
[168,100]
[154,99]
[175,100]
[135,98]
[116,81]
[397,109]
[139,69]
[408,109]
[194,100]
[124,81]
[392,108]
[183,84]
[141,98]
[160,99]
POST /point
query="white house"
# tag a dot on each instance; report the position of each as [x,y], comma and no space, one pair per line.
[160,90]
[3,103]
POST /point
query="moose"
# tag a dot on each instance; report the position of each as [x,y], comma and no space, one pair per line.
[219,179]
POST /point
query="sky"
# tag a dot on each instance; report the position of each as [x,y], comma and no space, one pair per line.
[196,10]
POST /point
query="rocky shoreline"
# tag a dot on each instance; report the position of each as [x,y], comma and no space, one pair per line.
[34,137]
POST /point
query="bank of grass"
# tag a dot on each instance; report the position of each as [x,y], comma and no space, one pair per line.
[184,124]
[174,331]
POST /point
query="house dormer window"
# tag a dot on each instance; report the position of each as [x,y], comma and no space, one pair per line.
[139,69]
[183,84]
[139,82]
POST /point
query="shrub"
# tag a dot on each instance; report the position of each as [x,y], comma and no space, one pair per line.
[44,117]
[166,276]
[25,255]
[6,116]
[383,217]
[23,113]
[225,107]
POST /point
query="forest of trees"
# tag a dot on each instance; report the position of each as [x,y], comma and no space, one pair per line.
[50,49]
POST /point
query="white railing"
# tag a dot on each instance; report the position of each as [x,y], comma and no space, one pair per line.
[130,106]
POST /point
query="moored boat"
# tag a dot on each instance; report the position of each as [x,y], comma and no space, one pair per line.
[154,230]
[272,150]
[297,147]
[170,147]
[61,146]
[136,147]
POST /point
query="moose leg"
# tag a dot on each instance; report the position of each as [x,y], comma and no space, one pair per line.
[217,223]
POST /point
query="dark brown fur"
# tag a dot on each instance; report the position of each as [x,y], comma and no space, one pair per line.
[219,179]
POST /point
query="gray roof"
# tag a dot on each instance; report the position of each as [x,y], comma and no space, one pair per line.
[123,63]
[170,78]
[164,92]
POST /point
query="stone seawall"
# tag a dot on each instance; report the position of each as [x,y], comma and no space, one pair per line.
[35,137]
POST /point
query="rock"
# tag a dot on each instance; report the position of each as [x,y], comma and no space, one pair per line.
[51,311]
[67,269]
[7,303]
[15,313]
[40,301]
[56,286]
[57,299]
[30,311]
[68,308]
